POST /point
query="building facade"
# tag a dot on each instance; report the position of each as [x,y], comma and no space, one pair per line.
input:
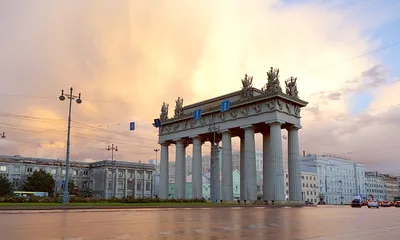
[100,178]
[309,184]
[339,179]
[375,186]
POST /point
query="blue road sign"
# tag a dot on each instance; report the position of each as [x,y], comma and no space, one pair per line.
[62,183]
[197,114]
[225,105]
[157,123]
[132,126]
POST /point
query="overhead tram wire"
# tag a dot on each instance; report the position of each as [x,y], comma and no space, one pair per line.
[351,59]
[76,124]
[74,135]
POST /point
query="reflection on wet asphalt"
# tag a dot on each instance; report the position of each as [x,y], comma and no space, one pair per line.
[317,223]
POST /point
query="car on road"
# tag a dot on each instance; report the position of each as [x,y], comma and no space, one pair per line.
[385,204]
[397,204]
[356,203]
[373,203]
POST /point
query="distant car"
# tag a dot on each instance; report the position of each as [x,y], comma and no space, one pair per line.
[356,203]
[385,204]
[373,203]
[397,204]
[308,202]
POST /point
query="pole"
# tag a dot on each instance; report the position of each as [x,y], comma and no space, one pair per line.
[66,192]
[214,173]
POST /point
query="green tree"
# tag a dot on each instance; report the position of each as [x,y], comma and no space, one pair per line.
[72,189]
[5,186]
[40,181]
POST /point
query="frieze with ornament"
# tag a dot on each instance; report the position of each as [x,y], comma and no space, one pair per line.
[245,110]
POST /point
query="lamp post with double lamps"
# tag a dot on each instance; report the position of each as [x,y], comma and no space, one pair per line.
[114,180]
[71,97]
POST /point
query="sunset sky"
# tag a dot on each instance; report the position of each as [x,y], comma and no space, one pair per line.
[127,57]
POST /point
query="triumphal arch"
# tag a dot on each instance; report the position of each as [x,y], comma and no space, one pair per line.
[238,114]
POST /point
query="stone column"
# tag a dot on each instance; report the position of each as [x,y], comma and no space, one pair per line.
[227,178]
[242,170]
[265,165]
[164,171]
[180,170]
[197,179]
[215,172]
[250,163]
[126,183]
[275,171]
[294,170]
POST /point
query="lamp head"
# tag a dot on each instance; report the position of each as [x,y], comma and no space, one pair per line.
[79,100]
[4,135]
[116,148]
[62,97]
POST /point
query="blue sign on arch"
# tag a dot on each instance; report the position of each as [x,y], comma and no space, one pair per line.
[132,126]
[157,123]
[197,114]
[225,105]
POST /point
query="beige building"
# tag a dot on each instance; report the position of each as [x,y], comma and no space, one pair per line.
[309,183]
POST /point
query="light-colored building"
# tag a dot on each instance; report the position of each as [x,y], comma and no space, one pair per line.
[375,186]
[391,186]
[309,183]
[130,178]
[339,179]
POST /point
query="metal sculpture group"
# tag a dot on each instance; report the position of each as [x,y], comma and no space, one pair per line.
[272,85]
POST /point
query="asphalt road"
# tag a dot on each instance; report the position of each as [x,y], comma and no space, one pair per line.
[318,223]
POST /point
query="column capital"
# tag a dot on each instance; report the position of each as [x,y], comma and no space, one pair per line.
[294,127]
[247,127]
[178,140]
[225,131]
[195,137]
[164,143]
[275,122]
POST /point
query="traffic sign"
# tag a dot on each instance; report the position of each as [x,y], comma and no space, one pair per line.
[197,114]
[157,123]
[225,105]
[132,126]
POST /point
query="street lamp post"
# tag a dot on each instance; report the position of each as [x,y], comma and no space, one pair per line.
[214,173]
[114,182]
[156,150]
[3,135]
[62,97]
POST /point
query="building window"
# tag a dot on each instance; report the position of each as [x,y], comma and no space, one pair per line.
[53,171]
[15,183]
[131,185]
[63,172]
[132,174]
[139,186]
[86,173]
[17,169]
[140,175]
[287,184]
[286,175]
[148,186]
[306,177]
[29,170]
[85,185]
[3,168]
[120,173]
[120,185]
[110,186]
[149,175]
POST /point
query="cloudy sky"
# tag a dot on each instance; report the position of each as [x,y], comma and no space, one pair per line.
[127,57]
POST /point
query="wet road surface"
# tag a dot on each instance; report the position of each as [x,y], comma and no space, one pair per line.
[317,223]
